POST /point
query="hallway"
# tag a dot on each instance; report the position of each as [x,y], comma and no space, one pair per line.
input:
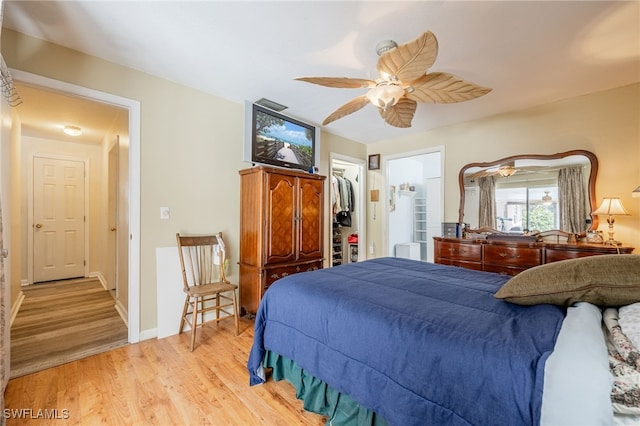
[63,321]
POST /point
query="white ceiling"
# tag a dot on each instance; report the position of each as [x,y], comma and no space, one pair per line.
[528,52]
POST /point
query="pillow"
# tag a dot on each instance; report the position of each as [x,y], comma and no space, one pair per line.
[605,280]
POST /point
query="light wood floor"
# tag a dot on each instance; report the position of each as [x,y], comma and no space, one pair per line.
[64,321]
[160,382]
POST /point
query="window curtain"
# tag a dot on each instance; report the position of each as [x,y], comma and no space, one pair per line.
[572,200]
[487,199]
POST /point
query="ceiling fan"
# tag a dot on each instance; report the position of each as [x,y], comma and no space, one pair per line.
[403,82]
[506,170]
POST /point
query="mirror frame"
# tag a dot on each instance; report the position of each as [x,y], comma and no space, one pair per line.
[592,177]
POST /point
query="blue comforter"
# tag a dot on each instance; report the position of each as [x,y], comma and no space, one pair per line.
[418,343]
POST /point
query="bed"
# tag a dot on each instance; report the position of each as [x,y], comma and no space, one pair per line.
[402,342]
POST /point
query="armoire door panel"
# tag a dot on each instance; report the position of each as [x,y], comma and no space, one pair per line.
[281,219]
[311,219]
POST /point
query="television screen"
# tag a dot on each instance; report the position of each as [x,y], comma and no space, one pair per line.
[280,140]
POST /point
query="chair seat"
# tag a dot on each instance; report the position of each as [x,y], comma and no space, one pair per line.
[207,289]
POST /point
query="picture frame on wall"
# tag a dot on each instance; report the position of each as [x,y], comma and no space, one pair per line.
[374,162]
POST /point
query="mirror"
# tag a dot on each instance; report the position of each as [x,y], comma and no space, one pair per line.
[528,193]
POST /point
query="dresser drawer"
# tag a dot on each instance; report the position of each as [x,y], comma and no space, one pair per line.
[459,251]
[553,255]
[460,263]
[503,269]
[522,257]
[271,275]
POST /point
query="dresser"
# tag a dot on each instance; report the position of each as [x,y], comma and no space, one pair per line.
[281,228]
[512,257]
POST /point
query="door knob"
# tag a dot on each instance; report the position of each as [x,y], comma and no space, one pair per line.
[113,229]
[38,225]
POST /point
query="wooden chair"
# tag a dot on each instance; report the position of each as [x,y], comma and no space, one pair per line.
[205,283]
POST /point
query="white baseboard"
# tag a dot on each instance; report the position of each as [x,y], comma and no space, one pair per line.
[100,278]
[122,311]
[148,334]
[16,307]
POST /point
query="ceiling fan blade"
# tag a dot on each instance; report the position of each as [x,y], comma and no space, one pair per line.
[411,60]
[480,174]
[444,88]
[346,109]
[339,82]
[401,114]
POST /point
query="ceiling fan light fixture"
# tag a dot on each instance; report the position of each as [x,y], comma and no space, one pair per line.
[72,130]
[506,171]
[385,95]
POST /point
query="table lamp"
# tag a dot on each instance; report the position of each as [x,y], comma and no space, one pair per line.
[611,206]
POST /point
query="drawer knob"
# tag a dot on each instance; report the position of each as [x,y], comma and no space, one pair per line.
[513,256]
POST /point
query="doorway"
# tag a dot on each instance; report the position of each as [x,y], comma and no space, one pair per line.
[347,209]
[129,214]
[414,203]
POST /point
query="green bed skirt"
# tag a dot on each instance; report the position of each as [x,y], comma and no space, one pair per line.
[318,397]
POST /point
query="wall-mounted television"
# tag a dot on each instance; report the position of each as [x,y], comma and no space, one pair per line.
[278,140]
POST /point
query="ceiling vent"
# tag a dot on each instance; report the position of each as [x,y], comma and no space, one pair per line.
[270,104]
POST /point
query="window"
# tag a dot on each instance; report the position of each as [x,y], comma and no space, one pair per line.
[527,208]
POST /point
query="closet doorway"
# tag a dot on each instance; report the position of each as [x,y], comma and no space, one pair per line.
[415,203]
[347,209]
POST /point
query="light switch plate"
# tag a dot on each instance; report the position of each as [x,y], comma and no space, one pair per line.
[165,213]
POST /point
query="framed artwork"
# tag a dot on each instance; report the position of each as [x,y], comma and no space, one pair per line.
[374,162]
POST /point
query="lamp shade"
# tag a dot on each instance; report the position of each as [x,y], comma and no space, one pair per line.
[611,206]
[636,193]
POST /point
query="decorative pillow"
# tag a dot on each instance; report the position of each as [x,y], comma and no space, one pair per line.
[605,280]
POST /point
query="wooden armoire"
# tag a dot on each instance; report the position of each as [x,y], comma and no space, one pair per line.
[281,228]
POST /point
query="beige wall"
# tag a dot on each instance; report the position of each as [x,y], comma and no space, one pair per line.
[191,148]
[605,123]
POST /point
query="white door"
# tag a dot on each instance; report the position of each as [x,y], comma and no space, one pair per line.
[112,205]
[58,219]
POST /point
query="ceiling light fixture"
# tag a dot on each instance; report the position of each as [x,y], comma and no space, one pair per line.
[72,130]
[506,171]
[385,95]
[546,198]
[636,193]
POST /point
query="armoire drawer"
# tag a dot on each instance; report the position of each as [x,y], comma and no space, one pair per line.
[271,275]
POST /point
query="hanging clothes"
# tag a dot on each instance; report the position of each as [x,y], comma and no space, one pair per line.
[343,199]
[335,195]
